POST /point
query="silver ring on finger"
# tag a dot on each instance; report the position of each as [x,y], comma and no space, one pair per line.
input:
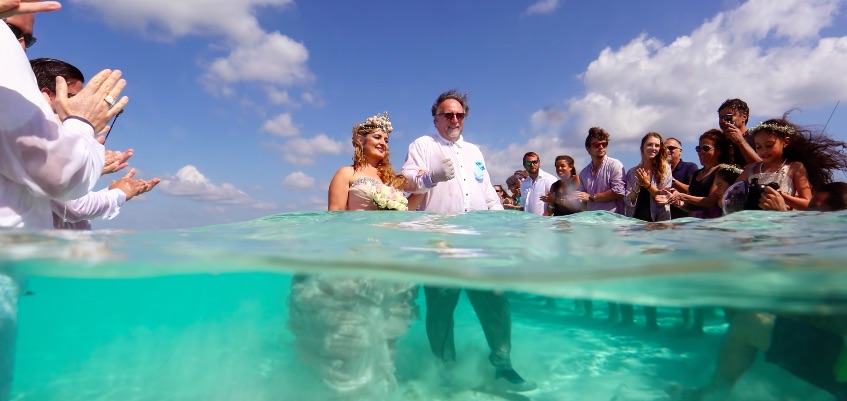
[109,99]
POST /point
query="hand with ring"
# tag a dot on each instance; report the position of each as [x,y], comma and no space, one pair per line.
[95,103]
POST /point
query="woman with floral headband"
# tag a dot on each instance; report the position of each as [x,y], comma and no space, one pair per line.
[347,328]
[795,159]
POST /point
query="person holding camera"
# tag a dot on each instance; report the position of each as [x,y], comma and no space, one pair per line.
[732,118]
[794,161]
[810,347]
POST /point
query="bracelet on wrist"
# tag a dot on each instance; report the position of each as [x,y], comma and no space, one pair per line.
[78,118]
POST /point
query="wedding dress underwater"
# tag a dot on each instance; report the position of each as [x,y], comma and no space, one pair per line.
[347,328]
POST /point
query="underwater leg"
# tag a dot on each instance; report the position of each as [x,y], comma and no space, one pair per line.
[440,305]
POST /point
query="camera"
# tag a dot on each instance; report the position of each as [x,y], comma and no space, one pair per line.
[727,118]
[754,192]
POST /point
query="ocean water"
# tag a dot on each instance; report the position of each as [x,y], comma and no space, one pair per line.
[202,314]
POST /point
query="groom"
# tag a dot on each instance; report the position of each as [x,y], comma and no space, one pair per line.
[456,181]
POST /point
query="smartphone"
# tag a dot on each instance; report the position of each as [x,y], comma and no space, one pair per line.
[727,118]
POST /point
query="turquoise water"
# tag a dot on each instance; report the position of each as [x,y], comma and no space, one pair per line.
[201,314]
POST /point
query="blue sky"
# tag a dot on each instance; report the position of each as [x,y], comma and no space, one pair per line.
[244,108]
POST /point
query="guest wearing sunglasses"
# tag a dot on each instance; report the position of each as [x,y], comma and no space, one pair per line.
[456,180]
[504,198]
[681,171]
[701,201]
[601,183]
[22,33]
[536,186]
[601,187]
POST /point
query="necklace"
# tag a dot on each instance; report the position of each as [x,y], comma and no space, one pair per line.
[778,170]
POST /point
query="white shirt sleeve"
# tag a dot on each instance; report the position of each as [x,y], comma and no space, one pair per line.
[416,160]
[105,203]
[45,158]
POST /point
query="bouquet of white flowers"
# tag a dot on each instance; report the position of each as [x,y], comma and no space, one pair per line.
[388,198]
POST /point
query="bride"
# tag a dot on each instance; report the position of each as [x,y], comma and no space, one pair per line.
[347,328]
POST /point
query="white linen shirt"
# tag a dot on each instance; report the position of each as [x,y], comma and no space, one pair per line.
[469,190]
[105,203]
[40,159]
[533,190]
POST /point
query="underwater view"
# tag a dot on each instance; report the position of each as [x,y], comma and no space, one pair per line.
[224,312]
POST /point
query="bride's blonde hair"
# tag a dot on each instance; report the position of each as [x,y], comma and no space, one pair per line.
[379,122]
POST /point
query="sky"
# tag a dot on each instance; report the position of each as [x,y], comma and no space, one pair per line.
[244,108]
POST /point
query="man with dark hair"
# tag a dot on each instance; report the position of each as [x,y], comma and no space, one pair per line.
[47,69]
[601,183]
[536,186]
[456,180]
[106,203]
[732,118]
[682,172]
[601,187]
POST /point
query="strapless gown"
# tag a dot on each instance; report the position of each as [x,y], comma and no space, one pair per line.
[347,328]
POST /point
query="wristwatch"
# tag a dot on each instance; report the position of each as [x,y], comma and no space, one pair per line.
[591,198]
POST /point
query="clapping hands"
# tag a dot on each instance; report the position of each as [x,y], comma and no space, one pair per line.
[133,186]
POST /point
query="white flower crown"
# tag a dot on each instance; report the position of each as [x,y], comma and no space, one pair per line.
[785,129]
[730,167]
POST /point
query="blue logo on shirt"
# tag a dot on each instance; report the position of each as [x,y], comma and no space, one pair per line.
[479,172]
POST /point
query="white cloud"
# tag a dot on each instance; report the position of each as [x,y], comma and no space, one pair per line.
[233,19]
[298,181]
[191,183]
[281,125]
[272,58]
[253,55]
[542,7]
[302,151]
[278,96]
[771,55]
[311,203]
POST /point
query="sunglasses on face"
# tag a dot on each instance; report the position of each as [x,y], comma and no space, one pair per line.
[530,163]
[598,145]
[704,148]
[449,116]
[498,190]
[672,148]
[28,39]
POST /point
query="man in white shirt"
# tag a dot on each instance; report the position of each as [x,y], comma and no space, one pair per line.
[456,180]
[537,185]
[41,157]
[107,202]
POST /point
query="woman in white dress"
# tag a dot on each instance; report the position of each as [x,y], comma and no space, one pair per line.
[347,328]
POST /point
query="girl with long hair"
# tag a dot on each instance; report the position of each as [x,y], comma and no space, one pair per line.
[794,158]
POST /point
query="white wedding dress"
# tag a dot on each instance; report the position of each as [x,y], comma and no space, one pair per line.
[347,328]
